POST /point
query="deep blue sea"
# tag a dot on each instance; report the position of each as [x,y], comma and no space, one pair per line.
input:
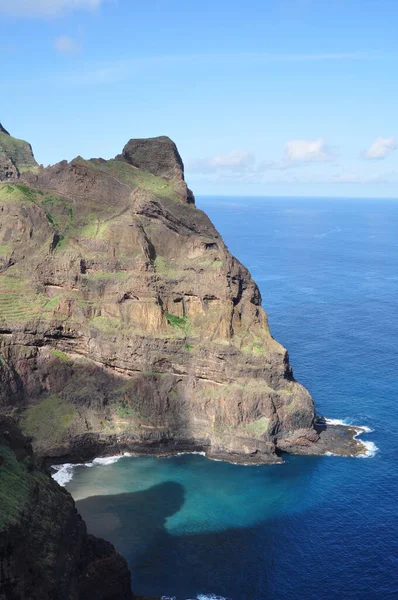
[314,528]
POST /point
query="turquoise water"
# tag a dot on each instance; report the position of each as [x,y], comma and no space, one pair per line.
[314,528]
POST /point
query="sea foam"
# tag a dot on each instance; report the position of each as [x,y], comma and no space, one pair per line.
[198,597]
[370,447]
[64,473]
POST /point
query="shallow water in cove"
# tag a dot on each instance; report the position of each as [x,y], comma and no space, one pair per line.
[315,528]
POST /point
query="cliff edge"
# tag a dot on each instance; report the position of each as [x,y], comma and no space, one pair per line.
[45,551]
[125,322]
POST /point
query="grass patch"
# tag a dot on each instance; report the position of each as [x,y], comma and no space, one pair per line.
[48,419]
[5,249]
[15,487]
[93,228]
[124,411]
[105,324]
[257,427]
[136,178]
[18,300]
[18,151]
[60,355]
[164,268]
[61,214]
[107,275]
[53,303]
[180,323]
[16,193]
[211,264]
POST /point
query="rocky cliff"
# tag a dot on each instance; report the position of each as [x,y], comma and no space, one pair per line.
[16,156]
[45,551]
[125,323]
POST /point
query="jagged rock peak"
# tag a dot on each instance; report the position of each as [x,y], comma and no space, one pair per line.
[158,155]
[3,130]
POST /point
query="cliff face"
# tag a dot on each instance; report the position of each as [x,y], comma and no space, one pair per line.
[125,323]
[45,551]
[16,156]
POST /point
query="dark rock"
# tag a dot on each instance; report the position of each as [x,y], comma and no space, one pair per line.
[158,155]
[45,551]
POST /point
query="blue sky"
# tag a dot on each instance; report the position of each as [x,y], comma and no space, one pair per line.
[262,97]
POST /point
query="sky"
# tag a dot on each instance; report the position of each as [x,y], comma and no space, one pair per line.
[262,97]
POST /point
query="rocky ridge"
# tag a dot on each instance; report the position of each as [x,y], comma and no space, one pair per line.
[126,324]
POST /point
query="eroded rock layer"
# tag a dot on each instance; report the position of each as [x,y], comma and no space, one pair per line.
[125,323]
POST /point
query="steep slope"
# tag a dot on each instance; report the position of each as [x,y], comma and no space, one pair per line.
[16,156]
[125,323]
[45,551]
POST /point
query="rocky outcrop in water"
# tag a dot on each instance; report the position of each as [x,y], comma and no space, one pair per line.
[45,551]
[126,324]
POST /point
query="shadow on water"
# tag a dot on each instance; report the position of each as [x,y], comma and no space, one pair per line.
[181,566]
[133,521]
[266,559]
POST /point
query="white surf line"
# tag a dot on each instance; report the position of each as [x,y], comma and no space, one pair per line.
[198,597]
[64,473]
[370,447]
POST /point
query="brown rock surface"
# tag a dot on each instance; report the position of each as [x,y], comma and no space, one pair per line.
[125,323]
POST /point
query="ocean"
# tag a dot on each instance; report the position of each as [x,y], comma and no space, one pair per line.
[314,528]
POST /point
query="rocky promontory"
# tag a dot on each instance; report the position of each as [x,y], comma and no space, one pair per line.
[125,322]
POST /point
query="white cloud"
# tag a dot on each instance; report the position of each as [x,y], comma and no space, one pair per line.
[33,8]
[380,148]
[237,163]
[237,160]
[305,151]
[67,45]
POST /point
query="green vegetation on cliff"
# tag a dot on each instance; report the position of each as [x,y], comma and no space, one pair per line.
[136,177]
[18,151]
[49,418]
[17,481]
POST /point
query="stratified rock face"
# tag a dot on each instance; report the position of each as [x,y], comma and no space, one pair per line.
[16,156]
[125,323]
[45,551]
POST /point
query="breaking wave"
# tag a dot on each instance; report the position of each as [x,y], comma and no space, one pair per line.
[198,597]
[64,473]
[370,447]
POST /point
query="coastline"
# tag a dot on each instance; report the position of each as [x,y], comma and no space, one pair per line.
[336,438]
